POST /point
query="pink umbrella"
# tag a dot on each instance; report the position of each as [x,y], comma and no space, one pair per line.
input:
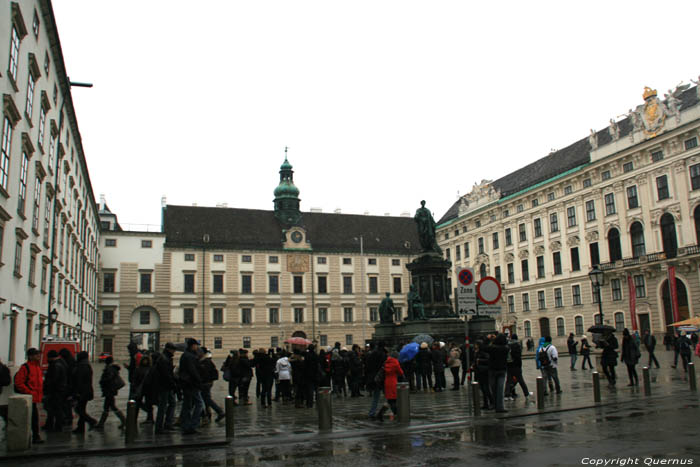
[298,341]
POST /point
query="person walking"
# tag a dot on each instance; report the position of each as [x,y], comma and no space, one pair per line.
[191,383]
[232,369]
[392,371]
[481,373]
[165,387]
[571,344]
[463,357]
[111,383]
[374,364]
[514,369]
[650,344]
[454,364]
[140,388]
[549,358]
[424,368]
[630,356]
[246,370]
[209,374]
[29,380]
[56,391]
[586,353]
[609,358]
[265,368]
[83,392]
[684,349]
[676,349]
[498,356]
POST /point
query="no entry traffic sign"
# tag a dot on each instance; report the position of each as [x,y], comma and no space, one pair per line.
[466,292]
[466,276]
[489,290]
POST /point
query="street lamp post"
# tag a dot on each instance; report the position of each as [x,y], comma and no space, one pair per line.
[53,317]
[596,277]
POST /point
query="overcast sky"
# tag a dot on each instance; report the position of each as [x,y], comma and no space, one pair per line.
[382,103]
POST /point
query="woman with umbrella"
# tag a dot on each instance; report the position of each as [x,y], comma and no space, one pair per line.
[408,363]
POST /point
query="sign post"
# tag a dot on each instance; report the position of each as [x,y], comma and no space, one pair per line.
[489,293]
[466,302]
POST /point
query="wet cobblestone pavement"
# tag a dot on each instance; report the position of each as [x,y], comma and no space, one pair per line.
[442,431]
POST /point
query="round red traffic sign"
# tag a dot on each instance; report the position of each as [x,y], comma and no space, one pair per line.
[466,276]
[488,290]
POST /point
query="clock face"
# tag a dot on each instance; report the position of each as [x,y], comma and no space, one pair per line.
[296,237]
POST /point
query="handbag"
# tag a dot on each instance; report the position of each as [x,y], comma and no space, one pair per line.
[118,382]
[379,377]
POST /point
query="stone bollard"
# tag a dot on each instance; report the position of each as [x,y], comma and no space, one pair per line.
[647,381]
[540,393]
[596,387]
[325,409]
[229,416]
[691,377]
[403,403]
[132,412]
[19,422]
[475,398]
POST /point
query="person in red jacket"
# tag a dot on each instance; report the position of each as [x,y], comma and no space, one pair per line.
[29,380]
[392,371]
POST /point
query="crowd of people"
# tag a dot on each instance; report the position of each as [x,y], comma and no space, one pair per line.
[156,382]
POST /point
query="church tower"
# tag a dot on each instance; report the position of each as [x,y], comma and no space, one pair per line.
[287,196]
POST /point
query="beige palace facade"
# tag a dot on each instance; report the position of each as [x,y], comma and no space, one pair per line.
[626,198]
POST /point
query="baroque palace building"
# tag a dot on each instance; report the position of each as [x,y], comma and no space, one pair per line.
[626,198]
[245,278]
[49,229]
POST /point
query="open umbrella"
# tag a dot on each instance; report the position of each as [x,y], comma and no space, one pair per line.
[408,352]
[423,338]
[694,321]
[298,341]
[601,329]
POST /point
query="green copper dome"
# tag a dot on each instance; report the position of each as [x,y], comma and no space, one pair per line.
[286,188]
[287,196]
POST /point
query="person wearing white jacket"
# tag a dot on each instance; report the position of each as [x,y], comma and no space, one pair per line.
[283,370]
[550,370]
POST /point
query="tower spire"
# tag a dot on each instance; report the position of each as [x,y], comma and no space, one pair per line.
[287,195]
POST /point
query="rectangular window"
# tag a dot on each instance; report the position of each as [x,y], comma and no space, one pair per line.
[511,273]
[480,242]
[188,316]
[627,167]
[695,176]
[145,282]
[662,187]
[218,283]
[540,267]
[447,253]
[218,258]
[558,302]
[14,53]
[523,234]
[587,183]
[145,317]
[575,261]
[466,245]
[47,217]
[246,316]
[218,316]
[273,315]
[595,254]
[371,261]
[519,208]
[322,284]
[347,261]
[458,252]
[632,199]
[22,195]
[576,294]
[397,284]
[146,243]
[537,223]
[189,283]
[298,284]
[108,282]
[348,339]
[110,242]
[189,256]
[477,223]
[373,284]
[568,190]
[219,343]
[511,304]
[553,222]
[656,156]
[347,315]
[509,240]
[535,202]
[556,258]
[497,273]
[107,316]
[273,259]
[396,262]
[616,289]
[246,284]
[541,302]
[321,260]
[246,259]
[525,270]
[273,282]
[609,204]
[323,315]
[298,315]
[246,342]
[347,284]
[606,175]
[526,302]
[107,345]
[324,340]
[571,216]
[494,240]
[691,143]
[550,196]
[640,286]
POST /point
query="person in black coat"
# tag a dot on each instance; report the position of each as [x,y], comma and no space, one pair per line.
[111,383]
[339,369]
[165,387]
[312,372]
[245,366]
[209,374]
[514,373]
[480,365]
[232,368]
[191,383]
[438,358]
[373,365]
[609,357]
[498,355]
[83,392]
[265,369]
[140,382]
[356,371]
[424,368]
[56,392]
[649,342]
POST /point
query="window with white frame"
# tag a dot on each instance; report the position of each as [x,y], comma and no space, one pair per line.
[553,222]
[561,331]
[619,321]
[576,294]
[616,289]
[578,325]
[537,225]
[526,302]
[640,286]
[511,304]
[22,195]
[571,216]
[610,204]
[7,128]
[528,329]
[541,301]
[558,302]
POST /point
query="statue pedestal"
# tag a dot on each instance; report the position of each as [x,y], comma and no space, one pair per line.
[441,329]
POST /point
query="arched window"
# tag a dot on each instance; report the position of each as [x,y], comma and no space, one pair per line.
[696,216]
[560,327]
[578,325]
[668,235]
[619,321]
[528,329]
[482,271]
[544,327]
[637,234]
[614,245]
[597,319]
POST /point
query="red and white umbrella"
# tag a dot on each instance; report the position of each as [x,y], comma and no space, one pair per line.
[298,341]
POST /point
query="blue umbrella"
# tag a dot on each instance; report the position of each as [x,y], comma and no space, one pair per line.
[408,352]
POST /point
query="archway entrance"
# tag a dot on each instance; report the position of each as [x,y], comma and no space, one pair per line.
[145,328]
[301,334]
[683,309]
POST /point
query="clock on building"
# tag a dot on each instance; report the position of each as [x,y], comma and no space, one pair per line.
[296,236]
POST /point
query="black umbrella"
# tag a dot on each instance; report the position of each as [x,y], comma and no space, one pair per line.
[601,329]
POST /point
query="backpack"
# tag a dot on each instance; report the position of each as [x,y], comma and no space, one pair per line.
[543,358]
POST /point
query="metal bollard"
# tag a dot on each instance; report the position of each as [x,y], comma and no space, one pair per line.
[596,387]
[132,412]
[325,414]
[475,398]
[691,377]
[540,393]
[647,381]
[229,416]
[403,403]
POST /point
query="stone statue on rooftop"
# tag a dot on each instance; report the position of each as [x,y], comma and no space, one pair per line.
[593,139]
[426,229]
[614,130]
